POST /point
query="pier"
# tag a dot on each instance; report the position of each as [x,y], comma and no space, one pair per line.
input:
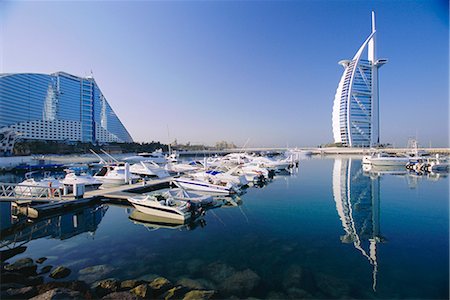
[40,201]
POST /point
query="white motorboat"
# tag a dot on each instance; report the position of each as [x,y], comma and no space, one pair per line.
[170,208]
[87,180]
[384,159]
[219,176]
[37,188]
[149,168]
[155,156]
[216,187]
[184,167]
[183,195]
[115,175]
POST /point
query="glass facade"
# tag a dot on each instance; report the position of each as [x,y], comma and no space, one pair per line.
[58,106]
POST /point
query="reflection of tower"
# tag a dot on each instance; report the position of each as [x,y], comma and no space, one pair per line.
[357,200]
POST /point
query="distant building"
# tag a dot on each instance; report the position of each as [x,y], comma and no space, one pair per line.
[355,109]
[58,107]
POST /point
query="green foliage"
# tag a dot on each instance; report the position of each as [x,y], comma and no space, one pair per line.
[57,147]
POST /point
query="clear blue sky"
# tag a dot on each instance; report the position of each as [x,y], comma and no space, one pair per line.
[264,71]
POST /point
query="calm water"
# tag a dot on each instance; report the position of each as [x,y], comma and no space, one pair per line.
[327,231]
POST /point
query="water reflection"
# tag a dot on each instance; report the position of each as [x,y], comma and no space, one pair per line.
[357,200]
[17,230]
[155,222]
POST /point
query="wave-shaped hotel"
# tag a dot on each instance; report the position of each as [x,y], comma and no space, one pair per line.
[355,109]
[58,107]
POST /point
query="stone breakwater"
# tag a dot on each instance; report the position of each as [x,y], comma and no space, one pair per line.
[24,280]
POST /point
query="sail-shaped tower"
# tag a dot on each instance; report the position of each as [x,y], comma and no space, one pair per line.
[355,109]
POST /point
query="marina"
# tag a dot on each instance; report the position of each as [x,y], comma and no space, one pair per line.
[329,220]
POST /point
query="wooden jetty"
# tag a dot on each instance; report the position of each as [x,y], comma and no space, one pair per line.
[41,201]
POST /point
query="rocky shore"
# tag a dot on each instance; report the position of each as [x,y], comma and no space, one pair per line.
[24,279]
[34,279]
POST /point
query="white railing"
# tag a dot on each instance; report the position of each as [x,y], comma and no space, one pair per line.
[29,192]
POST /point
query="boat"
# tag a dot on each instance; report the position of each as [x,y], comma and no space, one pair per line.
[385,159]
[115,174]
[31,187]
[208,185]
[149,168]
[89,182]
[155,156]
[183,195]
[165,208]
[219,176]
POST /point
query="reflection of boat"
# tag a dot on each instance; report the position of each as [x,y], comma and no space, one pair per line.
[166,208]
[156,222]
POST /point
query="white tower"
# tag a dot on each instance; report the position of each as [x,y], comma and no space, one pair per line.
[356,103]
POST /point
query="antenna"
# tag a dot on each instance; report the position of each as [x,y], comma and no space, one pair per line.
[109,155]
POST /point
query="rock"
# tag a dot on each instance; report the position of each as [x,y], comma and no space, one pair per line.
[218,271]
[296,293]
[106,286]
[24,266]
[76,285]
[199,295]
[333,287]
[46,269]
[95,273]
[194,266]
[41,260]
[21,293]
[160,285]
[241,283]
[12,277]
[301,278]
[58,293]
[60,272]
[143,291]
[191,284]
[276,295]
[6,286]
[129,284]
[147,277]
[175,293]
[121,296]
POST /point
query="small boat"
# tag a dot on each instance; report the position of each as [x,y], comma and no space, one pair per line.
[115,175]
[217,187]
[37,188]
[165,208]
[148,168]
[87,180]
[183,195]
[385,159]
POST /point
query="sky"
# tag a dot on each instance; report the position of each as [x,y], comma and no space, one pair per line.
[255,73]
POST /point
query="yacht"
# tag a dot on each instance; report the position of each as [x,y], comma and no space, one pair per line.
[206,185]
[183,195]
[165,208]
[148,168]
[155,222]
[115,175]
[88,181]
[385,159]
[155,156]
[37,188]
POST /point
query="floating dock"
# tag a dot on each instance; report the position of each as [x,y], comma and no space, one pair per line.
[43,201]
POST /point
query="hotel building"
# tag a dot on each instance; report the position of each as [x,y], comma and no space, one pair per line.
[355,109]
[58,107]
